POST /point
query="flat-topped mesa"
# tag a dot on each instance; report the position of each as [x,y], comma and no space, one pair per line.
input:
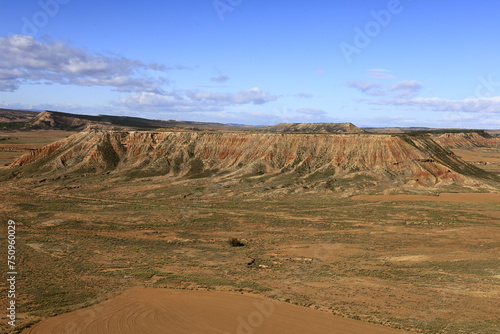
[468,140]
[315,128]
[311,158]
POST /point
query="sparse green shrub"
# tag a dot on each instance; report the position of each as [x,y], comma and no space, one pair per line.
[235,242]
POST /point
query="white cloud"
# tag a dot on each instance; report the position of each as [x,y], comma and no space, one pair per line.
[23,60]
[404,94]
[480,105]
[304,95]
[404,89]
[367,87]
[379,70]
[220,78]
[253,95]
[195,100]
[404,85]
[311,111]
[379,73]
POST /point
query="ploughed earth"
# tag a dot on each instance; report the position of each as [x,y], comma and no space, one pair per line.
[162,311]
[130,231]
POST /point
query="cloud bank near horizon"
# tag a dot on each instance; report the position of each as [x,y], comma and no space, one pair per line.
[24,60]
[405,94]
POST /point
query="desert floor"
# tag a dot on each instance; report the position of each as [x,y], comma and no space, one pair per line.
[428,264]
[444,197]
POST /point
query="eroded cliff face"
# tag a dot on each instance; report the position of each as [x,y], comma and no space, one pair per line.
[316,159]
[315,128]
[47,120]
[467,140]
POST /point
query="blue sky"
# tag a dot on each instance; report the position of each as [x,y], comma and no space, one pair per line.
[373,63]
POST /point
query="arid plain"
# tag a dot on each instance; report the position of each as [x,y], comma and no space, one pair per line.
[352,232]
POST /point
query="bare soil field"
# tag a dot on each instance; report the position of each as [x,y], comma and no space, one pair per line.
[13,144]
[428,267]
[487,158]
[162,311]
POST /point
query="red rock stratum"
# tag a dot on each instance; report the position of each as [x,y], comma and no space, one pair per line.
[467,140]
[315,159]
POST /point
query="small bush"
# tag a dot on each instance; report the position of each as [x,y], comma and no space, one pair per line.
[234,242]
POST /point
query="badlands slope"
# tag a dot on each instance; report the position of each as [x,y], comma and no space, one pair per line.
[312,160]
[468,140]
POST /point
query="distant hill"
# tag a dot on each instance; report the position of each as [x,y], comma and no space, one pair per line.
[423,130]
[12,115]
[56,120]
[468,140]
[66,121]
[11,119]
[15,119]
[315,128]
[18,119]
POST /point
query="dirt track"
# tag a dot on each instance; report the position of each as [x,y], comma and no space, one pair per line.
[179,311]
[458,197]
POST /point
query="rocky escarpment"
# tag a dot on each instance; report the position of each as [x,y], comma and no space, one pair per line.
[55,120]
[468,140]
[317,160]
[315,128]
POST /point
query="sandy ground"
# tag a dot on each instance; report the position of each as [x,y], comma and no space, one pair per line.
[445,197]
[181,312]
[476,155]
[485,158]
[13,144]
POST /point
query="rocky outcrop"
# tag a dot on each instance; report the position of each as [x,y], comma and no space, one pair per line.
[316,159]
[468,140]
[52,120]
[315,128]
[66,121]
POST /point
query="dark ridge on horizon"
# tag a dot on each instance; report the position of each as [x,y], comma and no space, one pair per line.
[16,119]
